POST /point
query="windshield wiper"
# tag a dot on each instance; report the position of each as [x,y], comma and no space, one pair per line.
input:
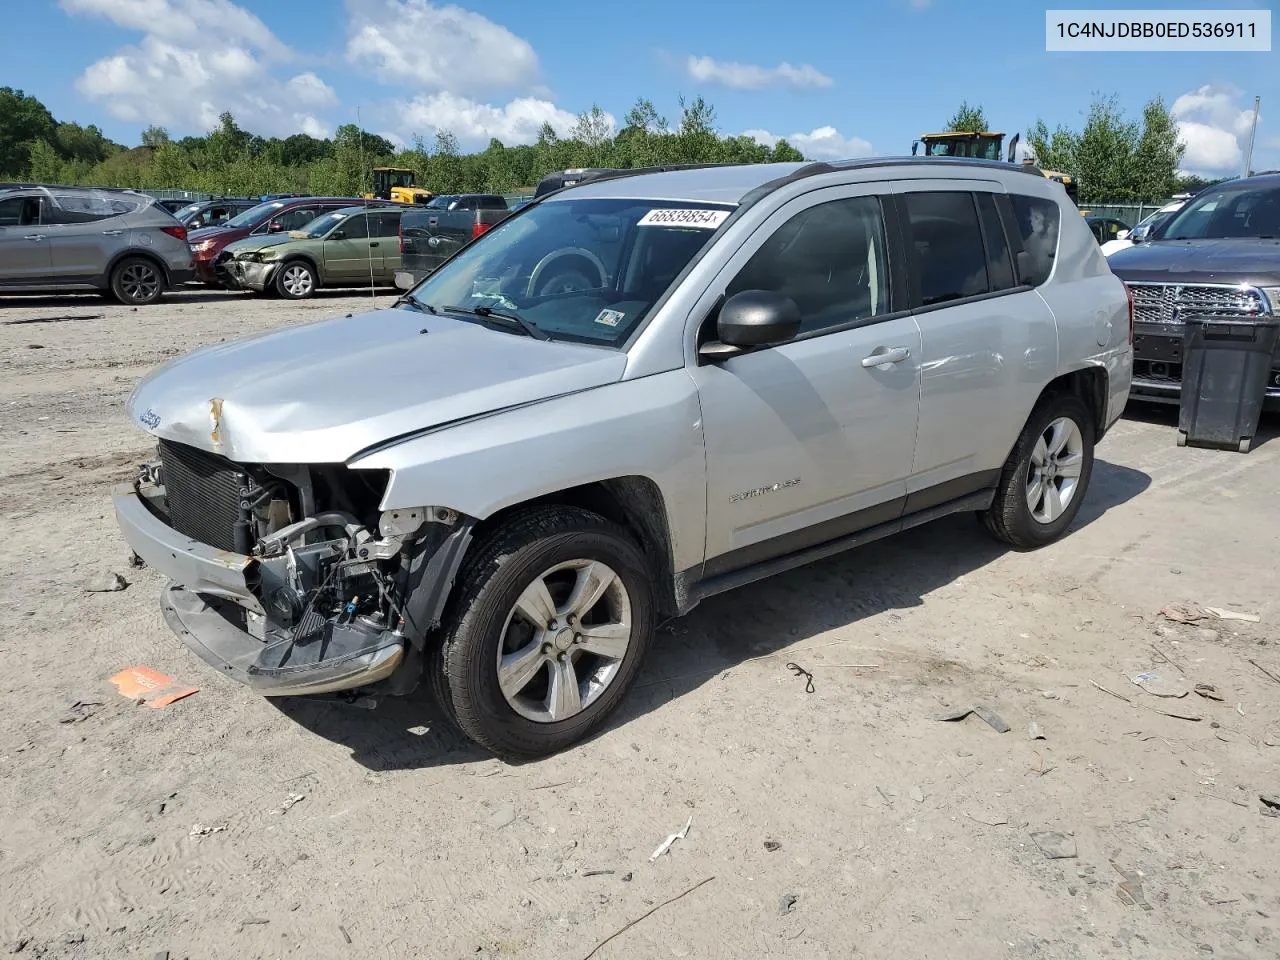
[412,301]
[508,321]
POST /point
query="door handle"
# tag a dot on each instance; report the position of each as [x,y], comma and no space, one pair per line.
[37,237]
[886,355]
[432,221]
[112,233]
[374,243]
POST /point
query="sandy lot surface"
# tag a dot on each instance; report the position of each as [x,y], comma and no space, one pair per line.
[839,822]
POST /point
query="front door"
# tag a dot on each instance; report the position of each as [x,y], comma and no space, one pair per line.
[348,258]
[811,439]
[24,241]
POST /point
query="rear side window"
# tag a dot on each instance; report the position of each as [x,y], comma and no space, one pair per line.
[999,262]
[385,224]
[943,227]
[296,219]
[11,211]
[1038,223]
[86,208]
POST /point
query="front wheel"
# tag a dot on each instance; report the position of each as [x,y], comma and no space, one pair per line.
[296,280]
[1045,478]
[550,624]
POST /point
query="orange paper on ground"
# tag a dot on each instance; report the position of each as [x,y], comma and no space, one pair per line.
[152,687]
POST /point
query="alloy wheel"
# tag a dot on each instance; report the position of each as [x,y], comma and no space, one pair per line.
[1053,475]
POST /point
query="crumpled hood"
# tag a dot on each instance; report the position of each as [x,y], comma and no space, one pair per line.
[322,392]
[258,244]
[1199,261]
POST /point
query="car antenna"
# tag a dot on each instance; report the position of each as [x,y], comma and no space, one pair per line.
[368,220]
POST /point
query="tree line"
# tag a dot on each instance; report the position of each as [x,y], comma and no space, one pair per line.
[1115,159]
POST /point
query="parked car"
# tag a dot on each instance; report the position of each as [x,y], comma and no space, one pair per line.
[503,489]
[272,216]
[213,213]
[1106,228]
[1217,256]
[1125,240]
[351,246]
[432,233]
[173,206]
[70,239]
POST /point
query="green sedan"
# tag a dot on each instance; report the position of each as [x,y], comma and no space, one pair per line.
[350,247]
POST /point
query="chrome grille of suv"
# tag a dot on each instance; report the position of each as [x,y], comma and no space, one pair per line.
[1170,302]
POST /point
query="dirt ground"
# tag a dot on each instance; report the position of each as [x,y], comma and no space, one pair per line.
[837,821]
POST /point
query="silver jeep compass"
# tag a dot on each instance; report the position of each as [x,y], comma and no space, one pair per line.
[630,395]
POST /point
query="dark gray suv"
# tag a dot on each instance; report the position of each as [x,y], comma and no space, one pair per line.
[70,239]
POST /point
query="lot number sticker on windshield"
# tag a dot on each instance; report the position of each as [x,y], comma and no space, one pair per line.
[702,219]
[610,318]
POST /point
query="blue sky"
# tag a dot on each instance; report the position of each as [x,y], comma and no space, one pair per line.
[837,78]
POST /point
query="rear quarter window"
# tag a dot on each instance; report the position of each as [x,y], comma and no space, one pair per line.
[1039,222]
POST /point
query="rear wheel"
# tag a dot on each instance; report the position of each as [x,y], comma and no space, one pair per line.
[137,281]
[1045,478]
[296,280]
[548,630]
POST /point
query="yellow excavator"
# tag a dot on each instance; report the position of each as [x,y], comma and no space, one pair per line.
[985,146]
[397,184]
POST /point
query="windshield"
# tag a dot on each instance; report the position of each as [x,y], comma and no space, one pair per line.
[186,211]
[321,225]
[588,270]
[440,203]
[1235,213]
[254,214]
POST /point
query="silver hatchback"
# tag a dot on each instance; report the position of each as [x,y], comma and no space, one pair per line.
[71,239]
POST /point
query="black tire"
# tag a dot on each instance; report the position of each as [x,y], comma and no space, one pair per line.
[137,281]
[464,674]
[1010,518]
[290,283]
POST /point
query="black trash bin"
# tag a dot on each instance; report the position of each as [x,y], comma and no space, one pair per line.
[1226,363]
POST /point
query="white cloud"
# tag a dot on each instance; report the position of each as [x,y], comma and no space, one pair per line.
[1213,123]
[185,21]
[823,143]
[437,48]
[749,76]
[475,123]
[195,60]
[310,89]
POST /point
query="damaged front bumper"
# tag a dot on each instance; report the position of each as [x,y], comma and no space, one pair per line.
[215,604]
[248,274]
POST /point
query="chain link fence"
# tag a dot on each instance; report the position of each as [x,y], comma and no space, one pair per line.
[1130,213]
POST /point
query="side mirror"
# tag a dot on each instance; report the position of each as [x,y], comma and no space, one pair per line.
[275,226]
[753,318]
[1138,234]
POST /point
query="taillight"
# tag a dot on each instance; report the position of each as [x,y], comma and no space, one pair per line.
[400,234]
[478,228]
[1128,290]
[178,233]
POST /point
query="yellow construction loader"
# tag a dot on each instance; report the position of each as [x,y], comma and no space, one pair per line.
[984,146]
[397,184]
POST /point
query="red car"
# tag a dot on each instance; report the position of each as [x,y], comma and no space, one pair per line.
[273,216]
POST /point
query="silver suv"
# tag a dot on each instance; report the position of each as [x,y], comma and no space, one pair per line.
[69,239]
[631,395]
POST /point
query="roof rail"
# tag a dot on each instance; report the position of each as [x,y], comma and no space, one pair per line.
[554,182]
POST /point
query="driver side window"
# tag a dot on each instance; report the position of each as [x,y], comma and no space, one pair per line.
[830,259]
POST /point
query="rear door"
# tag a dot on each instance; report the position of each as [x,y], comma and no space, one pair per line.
[384,242]
[87,232]
[24,241]
[347,255]
[988,343]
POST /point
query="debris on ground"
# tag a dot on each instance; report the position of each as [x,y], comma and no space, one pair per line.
[502,817]
[665,845]
[1270,805]
[1054,845]
[1158,686]
[916,794]
[136,562]
[1267,672]
[291,800]
[109,582]
[786,903]
[1130,889]
[1190,614]
[343,930]
[773,846]
[81,710]
[1222,613]
[988,817]
[627,926]
[800,671]
[992,718]
[150,687]
[1209,692]
[1034,731]
[597,873]
[200,830]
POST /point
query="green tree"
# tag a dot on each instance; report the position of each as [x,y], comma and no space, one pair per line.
[155,136]
[1158,154]
[783,152]
[24,120]
[968,119]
